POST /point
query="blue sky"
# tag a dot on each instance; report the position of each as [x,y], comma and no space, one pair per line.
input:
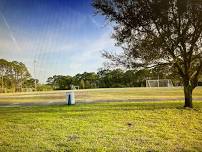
[63,36]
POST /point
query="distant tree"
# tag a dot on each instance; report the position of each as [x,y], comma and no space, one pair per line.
[60,82]
[30,83]
[158,32]
[13,75]
[142,75]
[24,75]
[50,81]
[82,84]
[18,74]
[129,78]
[3,70]
[44,87]
[104,78]
[90,79]
[117,76]
[77,79]
[111,78]
[86,80]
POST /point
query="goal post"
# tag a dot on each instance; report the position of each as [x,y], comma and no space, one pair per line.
[159,83]
[73,87]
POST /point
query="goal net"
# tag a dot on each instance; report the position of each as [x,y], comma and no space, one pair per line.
[73,87]
[159,83]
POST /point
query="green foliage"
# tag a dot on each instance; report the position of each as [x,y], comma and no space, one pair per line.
[44,87]
[59,82]
[82,84]
[14,75]
[157,32]
[116,78]
[30,83]
[148,126]
[86,80]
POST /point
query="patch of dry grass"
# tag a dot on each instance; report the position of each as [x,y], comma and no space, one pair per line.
[102,94]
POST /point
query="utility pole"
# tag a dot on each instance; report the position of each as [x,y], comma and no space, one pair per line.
[35,75]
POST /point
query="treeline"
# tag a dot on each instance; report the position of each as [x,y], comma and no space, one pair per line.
[109,79]
[14,76]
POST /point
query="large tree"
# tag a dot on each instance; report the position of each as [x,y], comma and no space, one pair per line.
[158,32]
[13,75]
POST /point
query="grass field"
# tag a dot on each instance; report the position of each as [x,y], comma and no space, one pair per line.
[108,126]
[102,95]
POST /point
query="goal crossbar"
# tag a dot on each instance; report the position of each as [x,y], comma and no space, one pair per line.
[159,83]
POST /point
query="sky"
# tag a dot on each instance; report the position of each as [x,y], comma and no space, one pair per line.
[63,36]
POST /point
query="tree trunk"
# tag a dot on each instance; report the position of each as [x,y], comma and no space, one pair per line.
[188,96]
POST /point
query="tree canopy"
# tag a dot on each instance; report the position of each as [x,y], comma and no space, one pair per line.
[106,78]
[14,75]
[158,32]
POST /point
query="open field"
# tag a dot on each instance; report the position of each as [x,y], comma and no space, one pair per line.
[128,125]
[95,95]
[122,126]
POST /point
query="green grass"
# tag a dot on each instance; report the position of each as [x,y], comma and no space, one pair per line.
[155,126]
[101,94]
[113,126]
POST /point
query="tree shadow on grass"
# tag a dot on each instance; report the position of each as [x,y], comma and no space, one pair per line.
[99,107]
[135,106]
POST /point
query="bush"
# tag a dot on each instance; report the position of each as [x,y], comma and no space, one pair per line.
[44,87]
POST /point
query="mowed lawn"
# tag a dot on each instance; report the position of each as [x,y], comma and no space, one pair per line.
[108,126]
[121,126]
[101,95]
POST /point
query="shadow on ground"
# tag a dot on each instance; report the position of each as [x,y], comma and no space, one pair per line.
[100,107]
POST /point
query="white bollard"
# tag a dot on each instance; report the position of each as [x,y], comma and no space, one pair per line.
[70,98]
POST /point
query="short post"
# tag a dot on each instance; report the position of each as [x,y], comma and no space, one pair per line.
[70,98]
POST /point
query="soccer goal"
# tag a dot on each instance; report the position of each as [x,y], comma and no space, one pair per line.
[73,87]
[159,83]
